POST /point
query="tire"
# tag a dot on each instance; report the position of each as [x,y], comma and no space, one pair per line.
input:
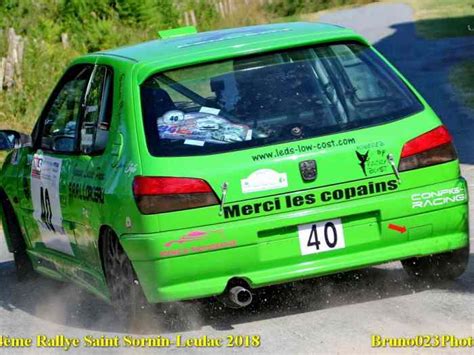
[23,265]
[125,291]
[438,267]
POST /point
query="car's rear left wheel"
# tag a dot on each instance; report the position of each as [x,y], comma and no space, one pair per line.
[23,265]
[125,290]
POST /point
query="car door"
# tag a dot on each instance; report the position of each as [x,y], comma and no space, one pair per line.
[87,183]
[48,167]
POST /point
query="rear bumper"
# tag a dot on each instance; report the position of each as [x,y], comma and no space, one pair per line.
[265,251]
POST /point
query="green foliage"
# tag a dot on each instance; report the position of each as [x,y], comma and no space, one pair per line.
[91,25]
[206,13]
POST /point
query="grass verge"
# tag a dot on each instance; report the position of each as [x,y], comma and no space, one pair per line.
[437,19]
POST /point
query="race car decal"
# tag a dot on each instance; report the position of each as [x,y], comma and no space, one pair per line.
[173,117]
[290,201]
[372,145]
[200,126]
[210,110]
[363,157]
[193,236]
[223,36]
[190,237]
[302,149]
[94,175]
[194,142]
[45,174]
[131,168]
[263,180]
[128,222]
[199,249]
[86,192]
[372,158]
[397,228]
[438,198]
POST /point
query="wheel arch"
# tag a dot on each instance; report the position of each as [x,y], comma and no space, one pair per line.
[104,231]
[12,244]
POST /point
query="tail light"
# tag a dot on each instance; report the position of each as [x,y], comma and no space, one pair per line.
[167,194]
[433,147]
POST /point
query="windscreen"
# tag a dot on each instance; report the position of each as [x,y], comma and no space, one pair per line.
[271,98]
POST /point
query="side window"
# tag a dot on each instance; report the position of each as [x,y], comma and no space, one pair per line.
[59,129]
[97,111]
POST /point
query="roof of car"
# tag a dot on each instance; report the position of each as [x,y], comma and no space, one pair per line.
[213,45]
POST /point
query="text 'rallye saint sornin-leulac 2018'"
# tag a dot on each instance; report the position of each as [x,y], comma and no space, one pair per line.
[216,163]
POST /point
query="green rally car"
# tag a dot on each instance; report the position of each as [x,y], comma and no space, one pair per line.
[210,164]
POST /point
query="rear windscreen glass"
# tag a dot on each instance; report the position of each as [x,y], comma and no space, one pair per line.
[270,98]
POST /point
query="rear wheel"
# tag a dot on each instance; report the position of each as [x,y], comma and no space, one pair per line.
[125,290]
[23,265]
[438,267]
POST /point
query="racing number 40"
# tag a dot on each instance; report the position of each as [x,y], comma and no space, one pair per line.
[321,236]
[330,236]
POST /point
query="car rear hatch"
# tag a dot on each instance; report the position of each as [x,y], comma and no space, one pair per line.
[282,132]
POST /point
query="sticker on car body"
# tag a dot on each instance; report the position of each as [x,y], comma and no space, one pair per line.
[45,175]
[210,110]
[263,180]
[322,236]
[438,198]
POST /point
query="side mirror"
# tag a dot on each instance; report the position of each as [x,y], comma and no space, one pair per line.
[10,139]
[63,143]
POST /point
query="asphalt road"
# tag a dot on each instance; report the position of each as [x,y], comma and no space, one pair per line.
[331,314]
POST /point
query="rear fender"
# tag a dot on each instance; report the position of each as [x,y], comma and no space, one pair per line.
[12,244]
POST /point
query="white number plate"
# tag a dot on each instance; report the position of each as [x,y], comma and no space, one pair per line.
[321,236]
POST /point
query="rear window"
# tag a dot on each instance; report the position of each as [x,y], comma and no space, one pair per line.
[270,98]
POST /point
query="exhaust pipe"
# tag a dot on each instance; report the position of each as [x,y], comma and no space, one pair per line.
[240,296]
